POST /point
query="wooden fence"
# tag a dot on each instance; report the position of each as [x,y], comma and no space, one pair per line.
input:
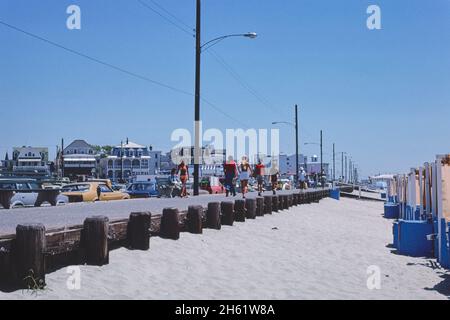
[26,257]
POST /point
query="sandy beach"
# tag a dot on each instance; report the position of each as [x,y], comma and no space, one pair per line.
[317,251]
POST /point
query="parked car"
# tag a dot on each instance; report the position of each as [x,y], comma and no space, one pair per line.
[92,191]
[143,190]
[29,192]
[212,185]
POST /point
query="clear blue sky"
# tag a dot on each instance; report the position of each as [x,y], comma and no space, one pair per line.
[381,95]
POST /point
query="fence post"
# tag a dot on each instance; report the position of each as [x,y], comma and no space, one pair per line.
[29,249]
[250,205]
[194,219]
[267,204]
[227,213]
[170,224]
[213,216]
[259,206]
[275,203]
[239,211]
[138,232]
[95,240]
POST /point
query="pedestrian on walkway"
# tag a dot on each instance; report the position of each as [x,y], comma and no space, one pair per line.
[245,171]
[274,173]
[259,174]
[231,172]
[183,172]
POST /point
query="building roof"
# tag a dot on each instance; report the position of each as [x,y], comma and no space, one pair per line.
[131,145]
[78,144]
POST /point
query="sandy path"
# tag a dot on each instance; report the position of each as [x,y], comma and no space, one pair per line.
[318,251]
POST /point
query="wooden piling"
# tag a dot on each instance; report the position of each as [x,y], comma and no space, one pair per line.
[95,240]
[227,208]
[267,204]
[275,203]
[138,231]
[250,205]
[259,206]
[213,216]
[239,211]
[29,250]
[170,225]
[194,219]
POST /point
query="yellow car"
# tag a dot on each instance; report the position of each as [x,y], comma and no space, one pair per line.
[92,191]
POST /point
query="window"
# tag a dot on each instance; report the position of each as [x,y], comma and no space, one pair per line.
[104,188]
[22,186]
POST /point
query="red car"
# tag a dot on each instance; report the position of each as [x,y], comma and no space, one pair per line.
[212,185]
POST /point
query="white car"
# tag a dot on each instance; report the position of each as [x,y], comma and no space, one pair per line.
[26,192]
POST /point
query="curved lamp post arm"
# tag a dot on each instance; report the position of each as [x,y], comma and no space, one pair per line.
[284,122]
[209,44]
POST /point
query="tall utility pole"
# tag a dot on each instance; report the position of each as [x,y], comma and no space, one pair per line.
[296,146]
[321,159]
[62,158]
[121,161]
[342,165]
[198,52]
[346,169]
[334,162]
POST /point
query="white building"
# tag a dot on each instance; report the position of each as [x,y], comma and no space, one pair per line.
[127,162]
[30,161]
[79,159]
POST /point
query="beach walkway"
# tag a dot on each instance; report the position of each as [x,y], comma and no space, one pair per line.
[313,251]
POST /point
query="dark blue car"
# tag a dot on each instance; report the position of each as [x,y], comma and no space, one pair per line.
[143,190]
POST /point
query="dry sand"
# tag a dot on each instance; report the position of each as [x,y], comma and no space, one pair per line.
[318,251]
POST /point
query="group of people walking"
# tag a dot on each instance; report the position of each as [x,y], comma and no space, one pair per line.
[244,171]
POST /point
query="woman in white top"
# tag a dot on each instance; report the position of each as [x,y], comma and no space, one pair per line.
[245,171]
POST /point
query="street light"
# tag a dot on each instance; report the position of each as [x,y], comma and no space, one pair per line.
[295,125]
[321,155]
[198,52]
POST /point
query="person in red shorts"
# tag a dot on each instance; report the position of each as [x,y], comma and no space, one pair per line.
[183,172]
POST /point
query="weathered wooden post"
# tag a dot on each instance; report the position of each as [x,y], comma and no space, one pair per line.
[138,231]
[227,208]
[170,224]
[95,240]
[295,197]
[213,216]
[250,205]
[194,219]
[267,204]
[280,202]
[30,260]
[275,203]
[290,200]
[285,202]
[259,206]
[239,211]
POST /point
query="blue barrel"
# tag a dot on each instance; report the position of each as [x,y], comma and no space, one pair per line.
[391,210]
[413,241]
[335,194]
[395,234]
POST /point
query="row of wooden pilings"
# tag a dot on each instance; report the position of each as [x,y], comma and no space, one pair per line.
[30,241]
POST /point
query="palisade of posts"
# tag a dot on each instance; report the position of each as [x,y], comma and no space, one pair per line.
[26,262]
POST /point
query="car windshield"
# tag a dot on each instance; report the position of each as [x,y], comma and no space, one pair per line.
[7,186]
[75,188]
[104,188]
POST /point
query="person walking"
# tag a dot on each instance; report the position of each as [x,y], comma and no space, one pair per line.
[231,172]
[259,173]
[183,172]
[302,177]
[274,173]
[245,172]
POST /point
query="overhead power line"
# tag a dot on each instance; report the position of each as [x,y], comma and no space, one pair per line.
[98,61]
[182,27]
